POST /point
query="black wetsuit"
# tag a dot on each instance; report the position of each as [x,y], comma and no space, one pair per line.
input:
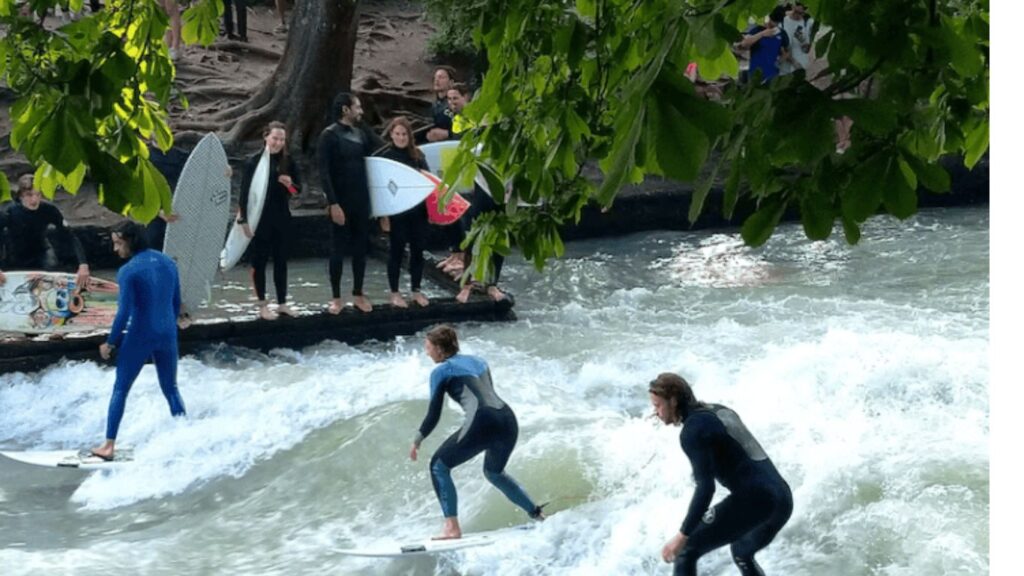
[490,427]
[24,236]
[170,164]
[342,152]
[270,238]
[759,504]
[410,227]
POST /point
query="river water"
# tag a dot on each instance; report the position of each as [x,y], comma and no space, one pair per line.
[862,370]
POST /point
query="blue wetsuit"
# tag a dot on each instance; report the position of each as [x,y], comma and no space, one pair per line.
[148,305]
[759,504]
[490,427]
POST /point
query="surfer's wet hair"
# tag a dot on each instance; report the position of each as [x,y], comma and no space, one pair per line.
[282,164]
[412,148]
[447,69]
[669,385]
[461,88]
[133,234]
[342,100]
[445,339]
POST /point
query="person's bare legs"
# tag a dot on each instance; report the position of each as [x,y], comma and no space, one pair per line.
[280,5]
[451,530]
[173,35]
[843,126]
[397,301]
[105,451]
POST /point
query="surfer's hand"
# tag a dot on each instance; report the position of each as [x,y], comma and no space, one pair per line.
[169,218]
[247,230]
[337,215]
[105,351]
[673,547]
[385,224]
[285,180]
[414,452]
[82,278]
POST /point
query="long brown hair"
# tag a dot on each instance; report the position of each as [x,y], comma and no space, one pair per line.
[413,149]
[669,385]
[282,166]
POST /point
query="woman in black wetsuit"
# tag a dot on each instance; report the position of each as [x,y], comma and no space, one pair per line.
[410,227]
[272,232]
[721,448]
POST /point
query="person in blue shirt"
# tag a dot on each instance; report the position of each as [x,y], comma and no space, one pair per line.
[148,304]
[768,44]
[490,426]
[720,448]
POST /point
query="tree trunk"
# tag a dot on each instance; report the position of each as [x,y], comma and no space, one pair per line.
[316,65]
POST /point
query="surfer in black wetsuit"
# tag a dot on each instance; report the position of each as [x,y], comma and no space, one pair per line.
[721,448]
[24,225]
[410,227]
[490,427]
[444,77]
[342,149]
[169,164]
[274,226]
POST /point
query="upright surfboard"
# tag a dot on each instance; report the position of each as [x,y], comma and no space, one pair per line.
[440,155]
[237,241]
[79,459]
[395,187]
[50,302]
[201,201]
[393,549]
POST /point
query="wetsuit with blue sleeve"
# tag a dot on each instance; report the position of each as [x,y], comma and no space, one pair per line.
[759,504]
[149,301]
[490,427]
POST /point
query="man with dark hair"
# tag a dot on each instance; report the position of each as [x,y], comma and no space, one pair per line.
[720,448]
[768,45]
[24,225]
[444,78]
[148,304]
[799,27]
[342,149]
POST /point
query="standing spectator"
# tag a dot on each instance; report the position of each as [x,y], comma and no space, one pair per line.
[273,229]
[800,29]
[444,78]
[768,45]
[229,21]
[173,35]
[342,149]
[410,227]
[283,26]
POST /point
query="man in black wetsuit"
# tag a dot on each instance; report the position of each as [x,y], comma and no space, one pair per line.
[444,78]
[23,231]
[342,149]
[721,448]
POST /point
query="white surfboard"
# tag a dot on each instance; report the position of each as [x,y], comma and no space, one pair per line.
[396,549]
[201,201]
[395,187]
[237,241]
[79,459]
[38,302]
[440,155]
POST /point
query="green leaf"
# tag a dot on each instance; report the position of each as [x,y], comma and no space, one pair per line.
[817,213]
[864,194]
[617,168]
[931,175]
[5,188]
[909,176]
[899,198]
[977,144]
[73,181]
[681,147]
[874,116]
[760,225]
[964,52]
[851,230]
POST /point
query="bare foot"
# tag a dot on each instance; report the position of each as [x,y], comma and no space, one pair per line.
[335,306]
[463,295]
[495,294]
[397,301]
[286,310]
[105,451]
[266,313]
[420,299]
[451,530]
[362,304]
[184,321]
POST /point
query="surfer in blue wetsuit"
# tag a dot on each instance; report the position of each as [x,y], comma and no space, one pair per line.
[721,448]
[410,227]
[148,305]
[490,427]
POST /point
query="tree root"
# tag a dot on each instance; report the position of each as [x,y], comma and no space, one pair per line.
[235,46]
